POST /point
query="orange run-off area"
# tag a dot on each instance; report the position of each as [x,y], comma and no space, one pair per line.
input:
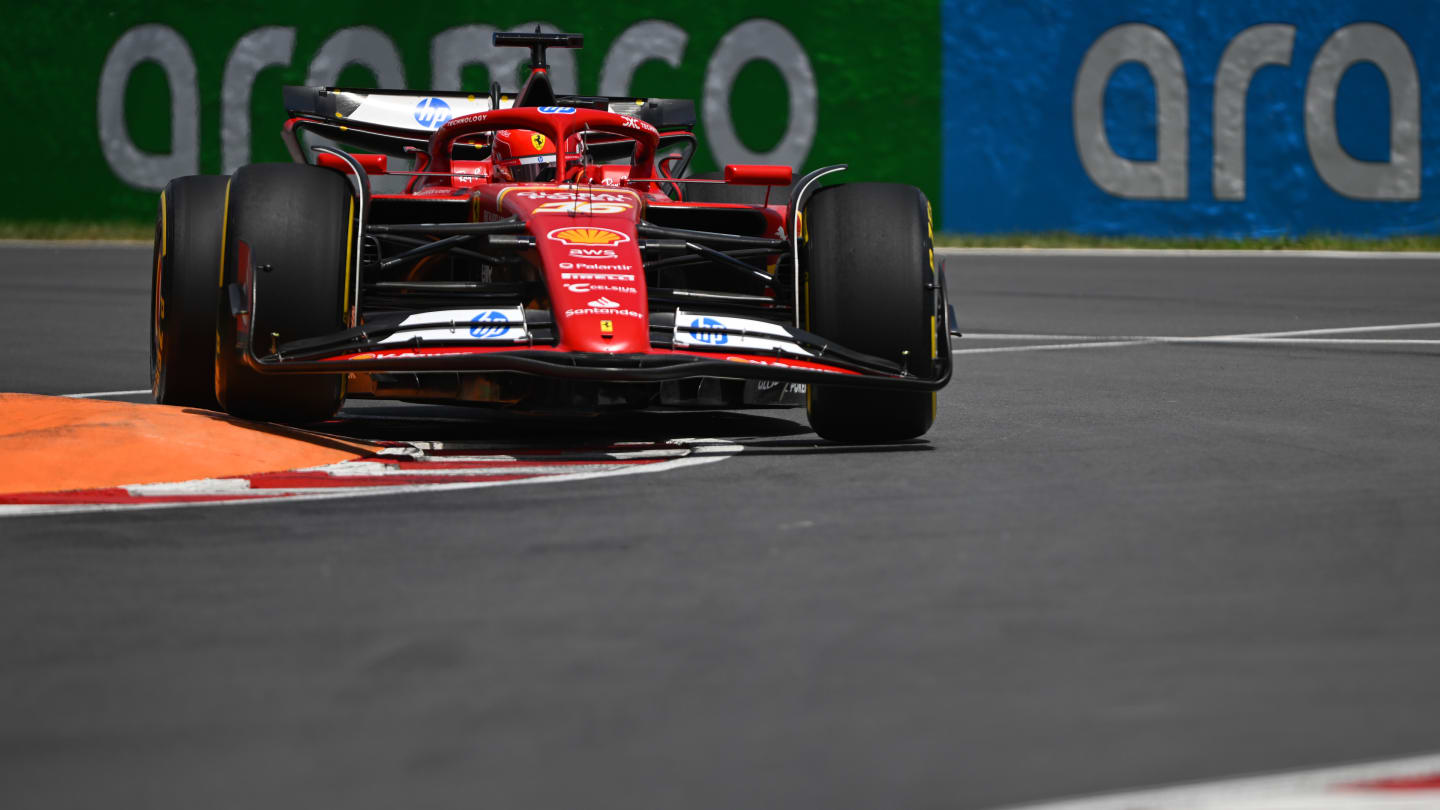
[51,444]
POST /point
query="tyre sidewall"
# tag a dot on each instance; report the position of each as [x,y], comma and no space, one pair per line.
[869,279]
[296,220]
[186,263]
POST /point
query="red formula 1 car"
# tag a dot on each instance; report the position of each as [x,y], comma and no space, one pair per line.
[541,252]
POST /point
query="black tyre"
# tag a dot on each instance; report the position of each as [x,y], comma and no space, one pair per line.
[183,291]
[298,223]
[742,195]
[869,273]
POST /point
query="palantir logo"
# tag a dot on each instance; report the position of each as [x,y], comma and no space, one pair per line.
[431,112]
[489,324]
[708,330]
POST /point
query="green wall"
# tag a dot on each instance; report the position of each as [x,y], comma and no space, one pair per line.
[876,72]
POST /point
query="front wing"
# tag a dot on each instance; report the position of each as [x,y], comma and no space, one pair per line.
[683,345]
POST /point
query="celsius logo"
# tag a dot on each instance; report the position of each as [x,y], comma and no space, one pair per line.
[489,324]
[708,330]
[431,112]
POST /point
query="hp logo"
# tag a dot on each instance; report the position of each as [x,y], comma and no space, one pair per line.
[707,330]
[489,324]
[431,112]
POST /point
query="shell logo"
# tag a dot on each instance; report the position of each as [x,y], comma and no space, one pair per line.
[587,236]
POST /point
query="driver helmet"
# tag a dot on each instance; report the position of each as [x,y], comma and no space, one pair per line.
[524,156]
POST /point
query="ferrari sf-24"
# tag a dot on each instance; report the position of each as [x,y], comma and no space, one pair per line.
[541,252]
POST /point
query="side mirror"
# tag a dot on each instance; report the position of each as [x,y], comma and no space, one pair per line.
[372,164]
[750,175]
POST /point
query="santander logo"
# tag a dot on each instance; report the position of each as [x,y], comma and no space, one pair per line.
[602,303]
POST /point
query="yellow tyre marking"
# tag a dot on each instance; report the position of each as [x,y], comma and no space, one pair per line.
[349,243]
[160,261]
[224,229]
[934,338]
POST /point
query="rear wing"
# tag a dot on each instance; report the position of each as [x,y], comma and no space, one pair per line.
[417,113]
[393,121]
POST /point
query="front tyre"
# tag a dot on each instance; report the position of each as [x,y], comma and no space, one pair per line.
[869,276]
[183,291]
[298,222]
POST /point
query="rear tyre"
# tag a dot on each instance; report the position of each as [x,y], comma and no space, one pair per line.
[869,286]
[742,195]
[298,223]
[183,291]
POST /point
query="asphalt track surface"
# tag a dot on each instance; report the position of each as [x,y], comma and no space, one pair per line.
[1106,568]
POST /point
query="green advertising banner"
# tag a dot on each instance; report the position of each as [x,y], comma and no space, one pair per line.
[107,104]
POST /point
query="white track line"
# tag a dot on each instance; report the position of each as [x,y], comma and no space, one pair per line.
[1311,789]
[1292,338]
[1031,336]
[1343,330]
[1306,341]
[106,394]
[1050,347]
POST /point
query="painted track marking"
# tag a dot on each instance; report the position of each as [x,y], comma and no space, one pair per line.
[1300,337]
[398,468]
[1412,783]
[95,394]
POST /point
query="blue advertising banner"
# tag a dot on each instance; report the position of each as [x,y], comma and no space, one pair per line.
[1171,117]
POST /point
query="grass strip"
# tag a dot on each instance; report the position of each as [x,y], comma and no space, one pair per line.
[126,230]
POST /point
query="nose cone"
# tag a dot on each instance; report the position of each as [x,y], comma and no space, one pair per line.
[591,258]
